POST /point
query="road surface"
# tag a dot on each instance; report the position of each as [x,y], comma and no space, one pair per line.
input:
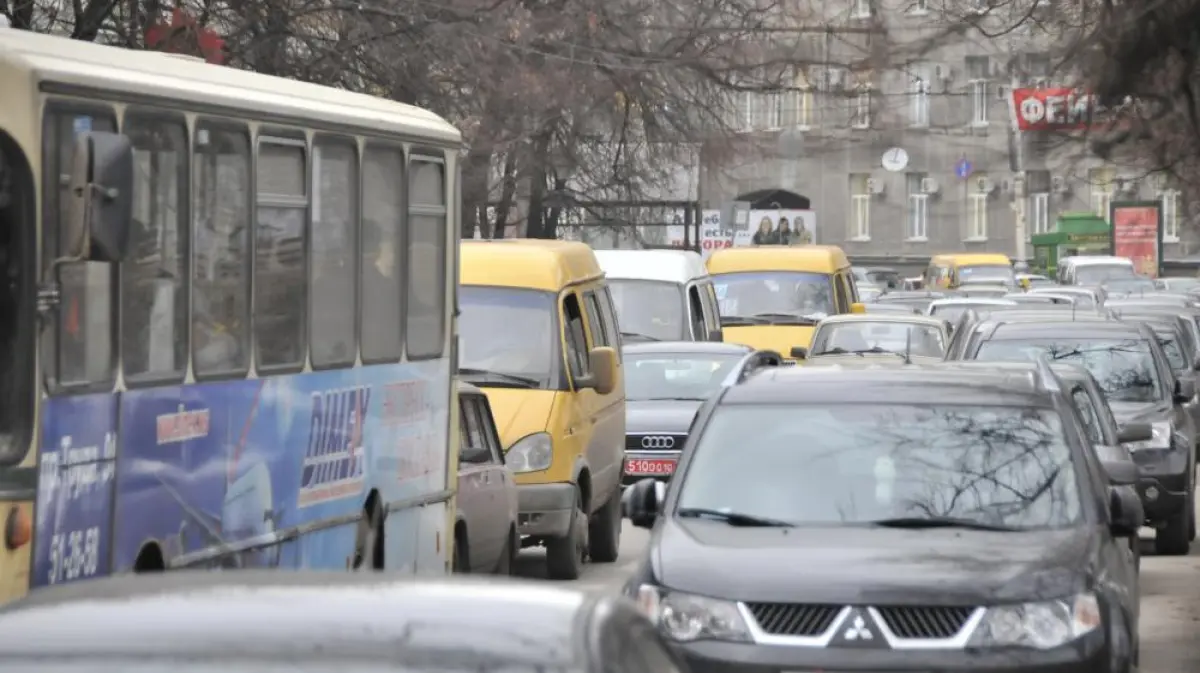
[1170,625]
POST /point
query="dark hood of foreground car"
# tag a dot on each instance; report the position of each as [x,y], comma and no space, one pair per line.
[660,415]
[870,565]
[1139,412]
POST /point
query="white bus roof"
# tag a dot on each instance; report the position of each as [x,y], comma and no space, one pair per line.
[89,67]
[672,266]
[1087,260]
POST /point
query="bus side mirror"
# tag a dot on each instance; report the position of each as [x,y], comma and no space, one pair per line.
[101,197]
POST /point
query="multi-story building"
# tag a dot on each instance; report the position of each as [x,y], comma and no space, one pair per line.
[905,78]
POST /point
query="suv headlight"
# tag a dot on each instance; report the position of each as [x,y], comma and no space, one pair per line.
[1041,626]
[531,453]
[1161,437]
[687,617]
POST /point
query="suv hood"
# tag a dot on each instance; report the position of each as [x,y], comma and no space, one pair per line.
[660,415]
[1136,412]
[869,565]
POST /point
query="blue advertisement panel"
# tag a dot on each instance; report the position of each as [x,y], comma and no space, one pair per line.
[73,531]
[284,458]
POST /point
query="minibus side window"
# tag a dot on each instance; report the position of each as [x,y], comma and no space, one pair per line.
[696,314]
[577,350]
[599,331]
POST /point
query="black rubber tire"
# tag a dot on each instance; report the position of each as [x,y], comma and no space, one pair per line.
[1172,538]
[507,563]
[565,555]
[604,534]
[462,565]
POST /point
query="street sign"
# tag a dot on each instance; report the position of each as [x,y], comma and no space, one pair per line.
[962,169]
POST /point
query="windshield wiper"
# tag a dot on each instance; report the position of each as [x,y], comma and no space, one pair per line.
[638,336]
[498,378]
[786,319]
[918,523]
[741,320]
[732,518]
[836,350]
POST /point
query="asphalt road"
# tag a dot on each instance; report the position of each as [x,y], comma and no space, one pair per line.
[1170,626]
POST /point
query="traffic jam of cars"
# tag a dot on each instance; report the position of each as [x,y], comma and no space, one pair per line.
[835,468]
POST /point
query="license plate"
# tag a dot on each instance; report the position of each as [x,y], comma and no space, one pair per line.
[650,467]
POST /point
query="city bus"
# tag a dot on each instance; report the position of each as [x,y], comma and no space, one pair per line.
[228,333]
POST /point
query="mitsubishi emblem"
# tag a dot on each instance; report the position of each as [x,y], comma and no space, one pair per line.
[858,629]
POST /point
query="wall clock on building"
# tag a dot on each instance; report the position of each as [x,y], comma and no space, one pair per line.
[895,160]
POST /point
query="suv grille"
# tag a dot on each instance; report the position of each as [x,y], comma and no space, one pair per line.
[794,619]
[925,623]
[658,441]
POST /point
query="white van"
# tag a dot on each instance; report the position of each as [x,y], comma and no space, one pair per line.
[661,295]
[1092,269]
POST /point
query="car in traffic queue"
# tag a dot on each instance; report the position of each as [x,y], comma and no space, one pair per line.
[854,533]
[948,271]
[1188,319]
[771,296]
[256,621]
[983,288]
[951,308]
[915,338]
[1180,351]
[1084,296]
[1092,269]
[1029,281]
[1127,286]
[1040,298]
[1177,283]
[665,384]
[1181,301]
[868,292]
[539,335]
[1132,369]
[661,295]
[916,299]
[890,309]
[485,529]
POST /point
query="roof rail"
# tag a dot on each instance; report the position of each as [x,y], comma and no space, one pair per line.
[1046,379]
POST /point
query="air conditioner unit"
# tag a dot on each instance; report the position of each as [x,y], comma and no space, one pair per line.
[984,185]
[1158,181]
[874,186]
[929,186]
[1059,184]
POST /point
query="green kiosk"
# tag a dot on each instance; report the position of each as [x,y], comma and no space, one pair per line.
[1082,233]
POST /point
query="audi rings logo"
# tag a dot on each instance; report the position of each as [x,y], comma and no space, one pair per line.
[658,442]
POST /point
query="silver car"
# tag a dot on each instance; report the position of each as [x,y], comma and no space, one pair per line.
[485,534]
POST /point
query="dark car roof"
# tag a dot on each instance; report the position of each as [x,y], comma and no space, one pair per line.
[298,614]
[935,383]
[1066,328]
[1065,370]
[710,347]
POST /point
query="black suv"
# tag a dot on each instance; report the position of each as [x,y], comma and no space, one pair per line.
[904,518]
[1129,363]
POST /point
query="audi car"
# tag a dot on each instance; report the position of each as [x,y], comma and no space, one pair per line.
[665,383]
[906,519]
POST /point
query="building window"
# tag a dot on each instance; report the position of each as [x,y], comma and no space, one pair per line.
[1170,214]
[802,101]
[977,207]
[919,7]
[978,76]
[918,90]
[918,208]
[860,9]
[1037,187]
[747,109]
[1037,69]
[860,108]
[860,207]
[772,110]
[1100,181]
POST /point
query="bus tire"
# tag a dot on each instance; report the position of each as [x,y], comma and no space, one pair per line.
[150,559]
[564,555]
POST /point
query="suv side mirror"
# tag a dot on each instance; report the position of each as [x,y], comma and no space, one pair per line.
[603,378]
[1126,512]
[1135,432]
[716,335]
[1184,391]
[101,192]
[799,352]
[641,502]
[1118,464]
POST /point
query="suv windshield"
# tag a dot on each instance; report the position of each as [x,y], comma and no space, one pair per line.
[1092,274]
[649,308]
[983,273]
[858,463]
[778,292]
[509,331]
[675,376]
[1124,368]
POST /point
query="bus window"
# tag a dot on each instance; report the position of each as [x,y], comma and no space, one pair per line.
[334,249]
[382,218]
[153,285]
[279,287]
[83,343]
[18,332]
[221,262]
[426,259]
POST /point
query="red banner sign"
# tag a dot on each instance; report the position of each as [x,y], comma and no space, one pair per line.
[1136,235]
[1053,109]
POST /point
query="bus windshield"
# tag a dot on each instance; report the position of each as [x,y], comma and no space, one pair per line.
[649,308]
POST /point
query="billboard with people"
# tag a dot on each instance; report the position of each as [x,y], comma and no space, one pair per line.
[767,227]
